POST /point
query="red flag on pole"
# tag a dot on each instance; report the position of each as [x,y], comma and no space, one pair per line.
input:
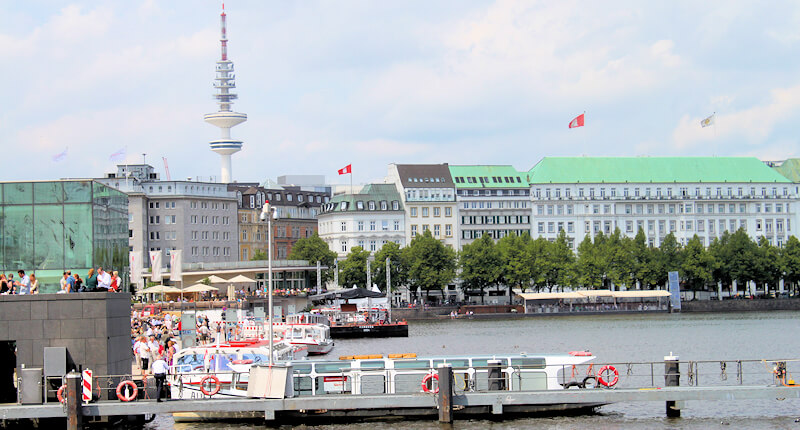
[346,169]
[578,121]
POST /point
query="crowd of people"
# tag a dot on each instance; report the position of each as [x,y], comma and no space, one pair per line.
[25,285]
[153,338]
[98,281]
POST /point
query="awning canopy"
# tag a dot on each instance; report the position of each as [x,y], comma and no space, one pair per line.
[352,293]
[583,294]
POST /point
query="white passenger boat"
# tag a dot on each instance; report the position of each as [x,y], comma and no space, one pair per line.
[219,368]
[306,330]
[408,374]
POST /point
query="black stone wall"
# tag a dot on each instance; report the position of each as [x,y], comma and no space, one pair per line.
[94,327]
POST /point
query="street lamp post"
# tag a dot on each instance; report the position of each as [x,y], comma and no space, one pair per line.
[267,212]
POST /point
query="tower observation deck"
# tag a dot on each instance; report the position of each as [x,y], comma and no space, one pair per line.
[225,118]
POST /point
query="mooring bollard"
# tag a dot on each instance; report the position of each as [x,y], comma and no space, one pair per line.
[672,378]
[74,412]
[445,400]
[496,381]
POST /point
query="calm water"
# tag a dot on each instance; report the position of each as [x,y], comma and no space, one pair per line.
[615,339]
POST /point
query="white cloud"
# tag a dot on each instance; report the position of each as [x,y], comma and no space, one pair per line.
[755,124]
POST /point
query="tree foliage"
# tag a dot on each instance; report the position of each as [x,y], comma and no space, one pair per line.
[313,249]
[353,269]
[481,264]
[431,265]
[399,276]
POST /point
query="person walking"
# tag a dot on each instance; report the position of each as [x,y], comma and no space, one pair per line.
[143,353]
[91,281]
[160,369]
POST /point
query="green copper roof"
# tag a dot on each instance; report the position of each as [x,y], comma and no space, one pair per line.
[483,176]
[376,193]
[790,169]
[565,170]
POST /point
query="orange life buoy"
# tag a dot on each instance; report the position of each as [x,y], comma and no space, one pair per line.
[215,388]
[60,393]
[608,370]
[127,395]
[425,381]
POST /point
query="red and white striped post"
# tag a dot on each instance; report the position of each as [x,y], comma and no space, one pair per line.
[87,386]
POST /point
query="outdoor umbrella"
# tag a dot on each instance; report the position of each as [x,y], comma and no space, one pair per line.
[199,288]
[217,280]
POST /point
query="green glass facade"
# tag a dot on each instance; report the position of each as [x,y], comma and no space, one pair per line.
[50,227]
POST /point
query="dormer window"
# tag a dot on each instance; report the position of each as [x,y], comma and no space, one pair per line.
[288,197]
[395,205]
[384,206]
[371,205]
[360,205]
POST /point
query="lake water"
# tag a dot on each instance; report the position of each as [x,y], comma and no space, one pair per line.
[613,339]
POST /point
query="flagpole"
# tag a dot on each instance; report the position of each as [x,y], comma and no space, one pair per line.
[351,180]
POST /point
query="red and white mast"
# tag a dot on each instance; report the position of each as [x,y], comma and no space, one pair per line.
[225,118]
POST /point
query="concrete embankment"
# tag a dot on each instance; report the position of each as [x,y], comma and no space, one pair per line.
[744,305]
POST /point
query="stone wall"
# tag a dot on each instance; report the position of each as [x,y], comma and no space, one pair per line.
[743,305]
[94,327]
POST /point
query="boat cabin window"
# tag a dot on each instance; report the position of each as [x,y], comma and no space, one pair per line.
[219,362]
[484,362]
[412,364]
[332,367]
[372,365]
[455,363]
[301,368]
[529,363]
[187,363]
[257,358]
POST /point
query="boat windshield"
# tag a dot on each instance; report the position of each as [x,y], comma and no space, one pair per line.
[257,358]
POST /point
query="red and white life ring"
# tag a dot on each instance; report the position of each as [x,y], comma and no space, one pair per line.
[127,395]
[214,389]
[60,393]
[608,370]
[425,381]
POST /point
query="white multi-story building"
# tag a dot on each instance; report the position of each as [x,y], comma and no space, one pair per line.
[429,197]
[369,219]
[687,196]
[492,200]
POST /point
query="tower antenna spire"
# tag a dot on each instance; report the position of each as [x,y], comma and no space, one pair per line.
[225,118]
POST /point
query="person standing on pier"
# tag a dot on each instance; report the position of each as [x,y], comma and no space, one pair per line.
[160,369]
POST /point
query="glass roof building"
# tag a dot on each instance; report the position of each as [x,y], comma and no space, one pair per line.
[52,226]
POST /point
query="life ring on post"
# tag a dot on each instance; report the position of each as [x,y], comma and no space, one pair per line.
[129,394]
[427,379]
[214,388]
[60,393]
[607,371]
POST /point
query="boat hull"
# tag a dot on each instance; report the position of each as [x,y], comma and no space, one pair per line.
[369,330]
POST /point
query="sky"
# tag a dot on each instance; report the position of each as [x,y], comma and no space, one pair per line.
[331,83]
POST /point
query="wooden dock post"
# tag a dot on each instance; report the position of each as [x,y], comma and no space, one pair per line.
[445,400]
[74,412]
[672,378]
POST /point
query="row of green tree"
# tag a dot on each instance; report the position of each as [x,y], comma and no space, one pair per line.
[541,265]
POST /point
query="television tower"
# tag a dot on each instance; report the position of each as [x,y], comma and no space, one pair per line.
[225,118]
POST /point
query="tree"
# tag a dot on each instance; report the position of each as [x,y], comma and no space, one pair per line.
[667,259]
[431,265]
[719,249]
[790,260]
[741,254]
[589,264]
[259,255]
[313,249]
[558,262]
[697,265]
[353,269]
[618,257]
[393,252]
[768,264]
[481,264]
[515,270]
